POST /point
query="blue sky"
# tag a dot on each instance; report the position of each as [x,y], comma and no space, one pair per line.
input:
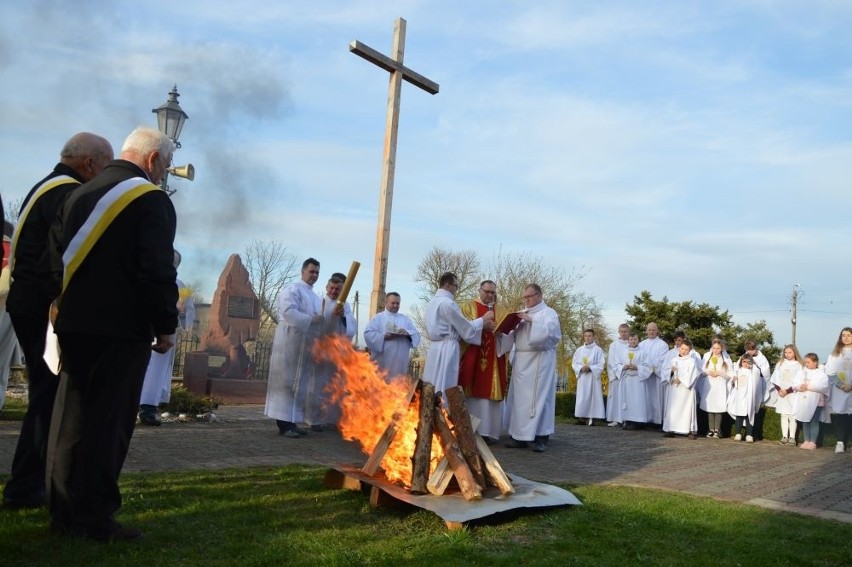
[700,150]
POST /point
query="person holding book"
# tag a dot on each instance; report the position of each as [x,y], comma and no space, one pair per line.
[531,402]
[482,372]
[745,393]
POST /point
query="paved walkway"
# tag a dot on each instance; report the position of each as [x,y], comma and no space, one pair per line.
[817,483]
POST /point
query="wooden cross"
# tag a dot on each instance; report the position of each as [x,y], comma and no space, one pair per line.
[398,72]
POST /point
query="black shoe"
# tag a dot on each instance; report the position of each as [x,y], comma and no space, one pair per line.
[27,502]
[317,428]
[150,419]
[515,444]
[668,434]
[539,447]
[290,434]
[490,441]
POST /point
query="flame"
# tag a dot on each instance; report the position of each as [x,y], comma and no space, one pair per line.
[368,403]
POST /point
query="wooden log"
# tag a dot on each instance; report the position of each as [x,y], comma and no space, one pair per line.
[443,474]
[336,479]
[464,433]
[467,483]
[375,458]
[440,478]
[496,474]
[422,457]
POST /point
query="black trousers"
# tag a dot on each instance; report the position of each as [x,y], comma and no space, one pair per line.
[93,420]
[27,480]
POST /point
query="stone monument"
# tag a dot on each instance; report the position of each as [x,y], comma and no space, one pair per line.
[221,368]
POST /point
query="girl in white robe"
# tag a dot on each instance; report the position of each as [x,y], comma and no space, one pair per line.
[839,370]
[782,379]
[717,369]
[745,394]
[812,387]
[680,416]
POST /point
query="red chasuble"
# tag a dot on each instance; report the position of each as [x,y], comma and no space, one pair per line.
[481,373]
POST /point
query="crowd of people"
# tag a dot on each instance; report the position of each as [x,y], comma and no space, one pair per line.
[652,384]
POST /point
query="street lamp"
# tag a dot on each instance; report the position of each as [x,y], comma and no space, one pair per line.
[170,120]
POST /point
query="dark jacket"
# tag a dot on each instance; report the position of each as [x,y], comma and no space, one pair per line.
[125,287]
[30,294]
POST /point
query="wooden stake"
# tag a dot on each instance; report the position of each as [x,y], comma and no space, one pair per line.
[467,483]
[464,433]
[422,457]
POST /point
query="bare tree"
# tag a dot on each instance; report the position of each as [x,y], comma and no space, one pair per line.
[438,261]
[577,310]
[270,266]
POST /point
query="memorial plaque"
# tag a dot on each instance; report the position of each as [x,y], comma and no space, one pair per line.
[241,307]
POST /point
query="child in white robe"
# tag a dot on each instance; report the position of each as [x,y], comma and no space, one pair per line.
[782,379]
[588,364]
[745,394]
[839,370]
[680,416]
[717,368]
[812,387]
[633,369]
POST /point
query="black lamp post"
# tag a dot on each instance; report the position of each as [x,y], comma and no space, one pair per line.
[170,120]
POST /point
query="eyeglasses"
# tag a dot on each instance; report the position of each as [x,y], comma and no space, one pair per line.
[530,296]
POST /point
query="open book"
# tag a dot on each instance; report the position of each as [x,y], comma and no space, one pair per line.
[508,323]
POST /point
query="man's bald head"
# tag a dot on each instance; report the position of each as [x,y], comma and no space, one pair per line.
[87,154]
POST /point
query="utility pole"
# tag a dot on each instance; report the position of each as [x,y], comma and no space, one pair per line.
[793,302]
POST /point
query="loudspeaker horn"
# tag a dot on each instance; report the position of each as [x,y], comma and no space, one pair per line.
[186,171]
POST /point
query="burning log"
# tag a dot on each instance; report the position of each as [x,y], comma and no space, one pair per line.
[467,483]
[422,457]
[443,474]
[382,446]
[464,433]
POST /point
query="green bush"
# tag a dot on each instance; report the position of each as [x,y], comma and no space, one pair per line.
[184,401]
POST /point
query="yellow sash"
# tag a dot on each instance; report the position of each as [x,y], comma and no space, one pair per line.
[51,183]
[106,210]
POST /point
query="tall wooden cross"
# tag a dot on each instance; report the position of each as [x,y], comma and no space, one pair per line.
[398,72]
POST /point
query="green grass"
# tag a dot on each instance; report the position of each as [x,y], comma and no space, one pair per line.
[13,409]
[284,516]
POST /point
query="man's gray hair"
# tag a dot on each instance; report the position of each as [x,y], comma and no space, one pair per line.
[145,140]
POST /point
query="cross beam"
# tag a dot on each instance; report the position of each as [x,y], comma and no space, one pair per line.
[398,73]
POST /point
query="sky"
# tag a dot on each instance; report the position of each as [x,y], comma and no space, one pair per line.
[701,150]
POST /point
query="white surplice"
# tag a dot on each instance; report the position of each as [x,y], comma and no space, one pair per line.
[680,415]
[589,401]
[745,392]
[157,386]
[318,407]
[839,370]
[635,401]
[291,364]
[656,350]
[805,403]
[784,377]
[713,390]
[445,326]
[615,393]
[531,401]
[391,355]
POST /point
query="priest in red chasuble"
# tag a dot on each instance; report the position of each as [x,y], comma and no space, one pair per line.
[482,373]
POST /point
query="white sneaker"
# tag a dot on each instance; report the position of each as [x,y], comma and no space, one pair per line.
[749,439]
[591,421]
[612,424]
[738,437]
[840,448]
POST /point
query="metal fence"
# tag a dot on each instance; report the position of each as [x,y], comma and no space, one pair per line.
[259,353]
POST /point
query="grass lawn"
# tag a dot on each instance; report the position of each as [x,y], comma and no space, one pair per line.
[284,516]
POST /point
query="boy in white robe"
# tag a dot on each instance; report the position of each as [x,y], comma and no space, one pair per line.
[656,350]
[633,369]
[615,394]
[588,364]
[745,393]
